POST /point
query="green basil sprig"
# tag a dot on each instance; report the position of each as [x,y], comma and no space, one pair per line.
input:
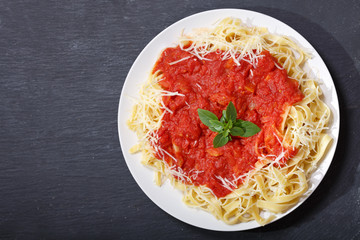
[227,126]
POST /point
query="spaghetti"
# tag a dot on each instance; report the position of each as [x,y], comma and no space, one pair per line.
[262,73]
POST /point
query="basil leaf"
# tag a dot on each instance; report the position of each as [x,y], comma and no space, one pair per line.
[230,123]
[227,126]
[236,131]
[222,119]
[231,112]
[220,140]
[226,132]
[250,129]
[217,125]
[238,123]
[224,116]
[206,116]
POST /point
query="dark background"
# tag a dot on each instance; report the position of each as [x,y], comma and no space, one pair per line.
[62,67]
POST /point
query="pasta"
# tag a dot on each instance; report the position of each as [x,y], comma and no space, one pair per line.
[272,185]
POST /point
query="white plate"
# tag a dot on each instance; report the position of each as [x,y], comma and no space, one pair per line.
[166,197]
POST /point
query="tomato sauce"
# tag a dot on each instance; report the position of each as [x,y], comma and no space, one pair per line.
[260,93]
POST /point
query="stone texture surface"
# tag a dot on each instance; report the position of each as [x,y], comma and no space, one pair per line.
[62,67]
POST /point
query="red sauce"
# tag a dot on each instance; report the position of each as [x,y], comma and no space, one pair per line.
[260,94]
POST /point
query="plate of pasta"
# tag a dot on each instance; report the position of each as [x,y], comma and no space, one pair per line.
[228,120]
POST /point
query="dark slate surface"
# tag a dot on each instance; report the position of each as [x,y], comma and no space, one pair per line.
[62,67]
